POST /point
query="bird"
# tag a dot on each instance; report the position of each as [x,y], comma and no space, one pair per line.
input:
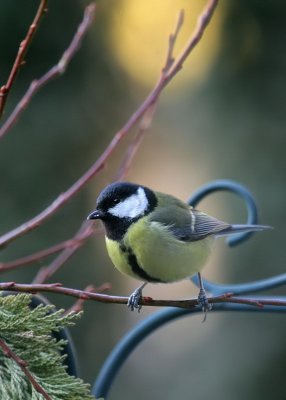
[157,238]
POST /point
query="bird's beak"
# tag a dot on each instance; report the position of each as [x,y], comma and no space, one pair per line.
[95,215]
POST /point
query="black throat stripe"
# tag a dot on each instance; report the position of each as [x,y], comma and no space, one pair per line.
[132,261]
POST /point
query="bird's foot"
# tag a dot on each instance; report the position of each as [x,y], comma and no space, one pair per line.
[203,302]
[134,300]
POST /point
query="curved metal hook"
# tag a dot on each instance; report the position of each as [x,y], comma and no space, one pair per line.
[218,289]
[236,188]
[133,338]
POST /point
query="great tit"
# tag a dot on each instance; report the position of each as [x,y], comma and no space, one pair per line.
[157,238]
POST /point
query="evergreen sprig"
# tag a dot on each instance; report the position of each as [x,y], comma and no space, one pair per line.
[28,333]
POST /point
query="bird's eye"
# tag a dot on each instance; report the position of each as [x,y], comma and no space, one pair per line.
[115,201]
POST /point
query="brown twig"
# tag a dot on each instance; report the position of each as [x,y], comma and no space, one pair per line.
[78,305]
[203,21]
[136,142]
[172,41]
[146,301]
[19,61]
[23,365]
[166,76]
[54,72]
[86,230]
[75,242]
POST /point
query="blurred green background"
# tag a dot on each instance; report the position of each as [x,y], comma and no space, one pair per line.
[223,117]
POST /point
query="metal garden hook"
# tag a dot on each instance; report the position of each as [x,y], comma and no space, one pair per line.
[135,336]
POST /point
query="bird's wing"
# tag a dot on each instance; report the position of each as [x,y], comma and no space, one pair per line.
[204,225]
[188,224]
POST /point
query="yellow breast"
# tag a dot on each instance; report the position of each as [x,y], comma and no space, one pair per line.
[158,252]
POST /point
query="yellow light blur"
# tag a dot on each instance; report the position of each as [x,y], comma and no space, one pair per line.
[139,35]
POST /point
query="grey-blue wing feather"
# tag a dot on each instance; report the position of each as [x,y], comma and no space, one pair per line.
[187,224]
[203,225]
[200,226]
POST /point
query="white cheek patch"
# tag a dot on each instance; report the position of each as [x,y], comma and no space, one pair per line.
[131,207]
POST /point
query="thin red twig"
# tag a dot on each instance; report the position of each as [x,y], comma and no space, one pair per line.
[75,242]
[23,365]
[19,61]
[203,21]
[56,71]
[78,305]
[172,41]
[166,76]
[136,142]
[85,231]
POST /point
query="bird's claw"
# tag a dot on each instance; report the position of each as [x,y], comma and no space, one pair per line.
[203,302]
[134,300]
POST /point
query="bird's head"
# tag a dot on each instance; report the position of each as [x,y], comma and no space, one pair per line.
[121,204]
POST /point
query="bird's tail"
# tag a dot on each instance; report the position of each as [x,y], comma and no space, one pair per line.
[242,228]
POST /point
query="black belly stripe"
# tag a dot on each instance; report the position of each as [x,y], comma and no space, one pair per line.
[123,248]
[132,261]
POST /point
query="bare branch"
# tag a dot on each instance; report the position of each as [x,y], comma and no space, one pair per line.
[23,365]
[19,61]
[136,142]
[78,305]
[202,23]
[85,231]
[54,72]
[146,301]
[76,242]
[172,41]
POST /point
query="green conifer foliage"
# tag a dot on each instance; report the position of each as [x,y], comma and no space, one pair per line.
[28,333]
